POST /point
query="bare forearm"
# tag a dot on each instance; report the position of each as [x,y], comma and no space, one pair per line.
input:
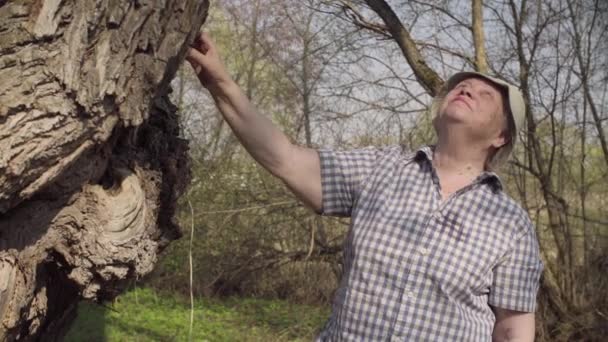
[513,326]
[298,167]
[262,139]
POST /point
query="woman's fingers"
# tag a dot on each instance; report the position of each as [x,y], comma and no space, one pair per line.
[203,42]
[195,56]
[205,61]
[207,43]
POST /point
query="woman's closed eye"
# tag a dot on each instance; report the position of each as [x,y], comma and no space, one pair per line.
[486,94]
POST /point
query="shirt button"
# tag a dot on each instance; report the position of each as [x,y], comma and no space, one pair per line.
[409,294]
[423,251]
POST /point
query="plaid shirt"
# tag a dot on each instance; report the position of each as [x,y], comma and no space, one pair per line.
[417,268]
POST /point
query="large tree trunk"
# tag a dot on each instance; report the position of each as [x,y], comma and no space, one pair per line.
[91,163]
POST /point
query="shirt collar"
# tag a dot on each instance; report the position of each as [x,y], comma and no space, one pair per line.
[425,153]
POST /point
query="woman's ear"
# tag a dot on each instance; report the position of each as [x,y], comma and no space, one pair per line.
[501,140]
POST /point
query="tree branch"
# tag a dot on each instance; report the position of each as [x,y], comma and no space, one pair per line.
[481,62]
[360,21]
[426,76]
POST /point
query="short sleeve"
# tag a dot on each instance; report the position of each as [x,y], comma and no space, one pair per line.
[516,278]
[342,176]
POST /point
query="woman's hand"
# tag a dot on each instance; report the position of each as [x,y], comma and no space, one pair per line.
[207,64]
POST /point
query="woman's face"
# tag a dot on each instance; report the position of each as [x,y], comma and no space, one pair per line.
[475,105]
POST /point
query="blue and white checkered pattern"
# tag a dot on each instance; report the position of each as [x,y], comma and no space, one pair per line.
[417,268]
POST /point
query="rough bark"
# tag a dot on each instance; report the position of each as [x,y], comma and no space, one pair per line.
[91,162]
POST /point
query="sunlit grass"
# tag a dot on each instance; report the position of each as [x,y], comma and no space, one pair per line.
[144,315]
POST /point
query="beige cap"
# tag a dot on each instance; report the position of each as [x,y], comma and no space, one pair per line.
[517,106]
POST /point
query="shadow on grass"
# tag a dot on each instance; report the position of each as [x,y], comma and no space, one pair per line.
[92,321]
[89,324]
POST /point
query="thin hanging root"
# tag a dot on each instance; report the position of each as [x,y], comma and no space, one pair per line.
[190,260]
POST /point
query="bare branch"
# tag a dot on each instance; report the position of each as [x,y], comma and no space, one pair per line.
[359,20]
[445,12]
[481,61]
[427,77]
[452,52]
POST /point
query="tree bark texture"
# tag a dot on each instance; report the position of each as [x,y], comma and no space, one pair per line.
[91,163]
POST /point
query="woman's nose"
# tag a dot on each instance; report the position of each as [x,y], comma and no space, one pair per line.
[465,90]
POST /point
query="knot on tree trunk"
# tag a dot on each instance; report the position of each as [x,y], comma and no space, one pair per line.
[122,208]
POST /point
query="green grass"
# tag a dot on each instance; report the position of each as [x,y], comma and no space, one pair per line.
[144,315]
